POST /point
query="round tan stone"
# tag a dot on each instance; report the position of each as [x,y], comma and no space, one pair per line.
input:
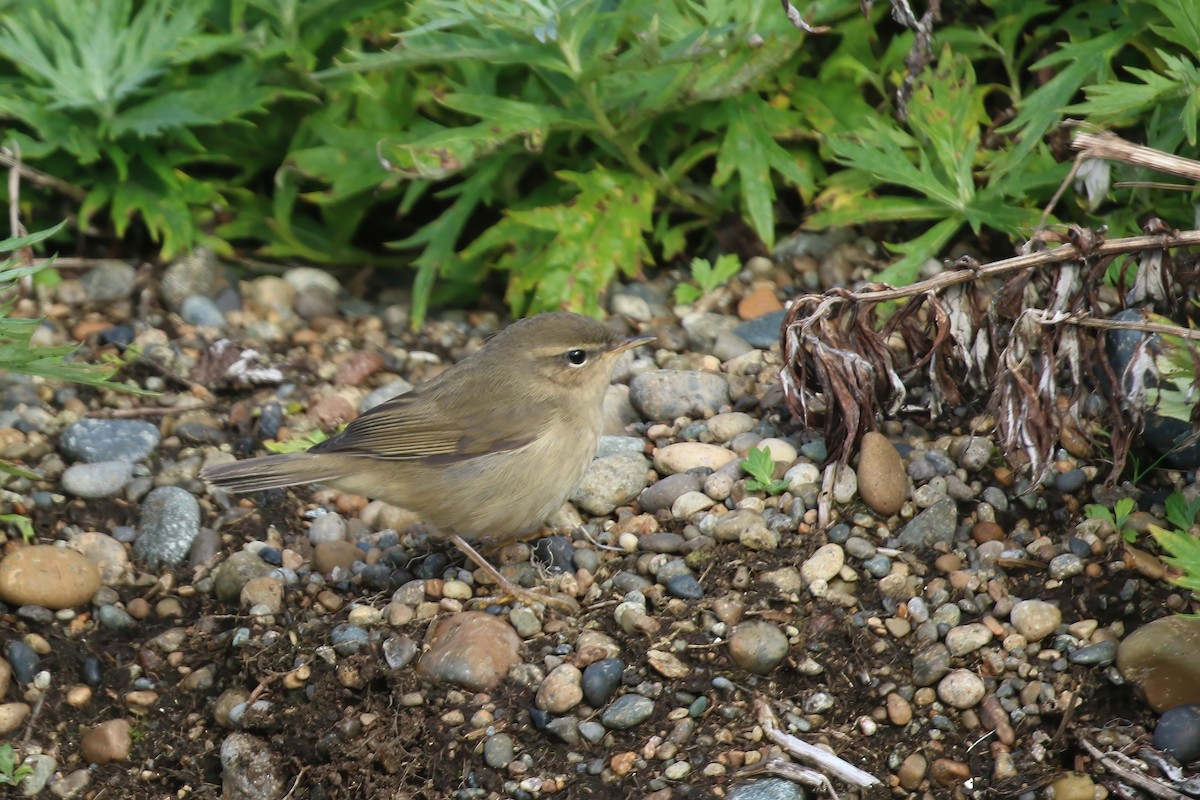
[882,480]
[682,456]
[108,741]
[48,576]
[329,555]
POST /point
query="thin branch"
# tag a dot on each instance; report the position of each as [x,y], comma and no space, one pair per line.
[12,160]
[796,19]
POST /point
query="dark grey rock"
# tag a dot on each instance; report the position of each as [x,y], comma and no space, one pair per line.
[685,587]
[762,332]
[661,495]
[1178,732]
[600,680]
[933,525]
[556,553]
[931,665]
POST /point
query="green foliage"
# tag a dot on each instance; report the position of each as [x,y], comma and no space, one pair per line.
[11,772]
[1118,515]
[1183,547]
[20,522]
[1180,512]
[707,277]
[759,465]
[563,144]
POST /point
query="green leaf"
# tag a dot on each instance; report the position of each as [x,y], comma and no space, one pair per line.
[1184,552]
[759,465]
[750,151]
[563,256]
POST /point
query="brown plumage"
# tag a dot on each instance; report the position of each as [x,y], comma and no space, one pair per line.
[486,450]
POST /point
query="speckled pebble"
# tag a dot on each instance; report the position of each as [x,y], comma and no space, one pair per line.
[663,395]
[96,440]
[757,646]
[627,711]
[1035,619]
[961,688]
[170,520]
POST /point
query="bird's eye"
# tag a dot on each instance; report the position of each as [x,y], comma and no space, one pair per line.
[576,357]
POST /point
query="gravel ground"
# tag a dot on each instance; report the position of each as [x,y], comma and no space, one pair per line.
[949,632]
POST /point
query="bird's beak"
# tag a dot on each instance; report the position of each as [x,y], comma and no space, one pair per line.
[632,342]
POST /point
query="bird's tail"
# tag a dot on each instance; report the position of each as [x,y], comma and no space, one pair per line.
[271,472]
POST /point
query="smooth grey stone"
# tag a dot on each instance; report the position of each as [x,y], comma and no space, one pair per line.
[100,479]
[94,440]
[662,395]
[600,680]
[108,282]
[661,495]
[627,711]
[199,310]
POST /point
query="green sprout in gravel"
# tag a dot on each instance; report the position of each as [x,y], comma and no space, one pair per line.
[1118,515]
[759,465]
[12,773]
[707,277]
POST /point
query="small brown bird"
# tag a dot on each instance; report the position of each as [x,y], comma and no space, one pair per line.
[485,451]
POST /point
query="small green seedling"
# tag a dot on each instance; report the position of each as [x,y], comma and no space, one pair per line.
[759,465]
[707,278]
[12,773]
[1118,516]
[21,523]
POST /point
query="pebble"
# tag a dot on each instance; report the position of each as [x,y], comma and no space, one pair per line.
[195,273]
[662,395]
[1035,619]
[105,552]
[48,576]
[967,638]
[882,481]
[610,482]
[961,688]
[1178,733]
[685,587]
[845,485]
[108,281]
[934,525]
[329,555]
[724,427]
[96,440]
[499,750]
[330,527]
[107,742]
[1072,786]
[684,456]
[101,479]
[781,450]
[627,711]
[661,495]
[232,574]
[931,664]
[471,649]
[757,647]
[250,769]
[691,503]
[824,564]
[200,311]
[169,523]
[1163,658]
[562,689]
[762,332]
[611,445]
[12,715]
[600,680]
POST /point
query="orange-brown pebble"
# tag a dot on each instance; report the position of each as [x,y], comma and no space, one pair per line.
[948,772]
[759,300]
[138,608]
[986,532]
[622,763]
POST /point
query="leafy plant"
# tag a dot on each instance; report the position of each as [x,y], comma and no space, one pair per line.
[12,773]
[1118,515]
[1180,512]
[707,277]
[1183,547]
[759,465]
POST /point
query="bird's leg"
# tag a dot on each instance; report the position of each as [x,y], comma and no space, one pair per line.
[510,589]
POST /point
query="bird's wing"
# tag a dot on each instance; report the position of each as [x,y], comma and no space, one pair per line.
[407,428]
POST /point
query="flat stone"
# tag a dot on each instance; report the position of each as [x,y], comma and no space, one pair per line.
[610,482]
[94,440]
[101,479]
[169,524]
[662,494]
[48,576]
[684,456]
[471,649]
[933,525]
[662,395]
[757,646]
[627,711]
